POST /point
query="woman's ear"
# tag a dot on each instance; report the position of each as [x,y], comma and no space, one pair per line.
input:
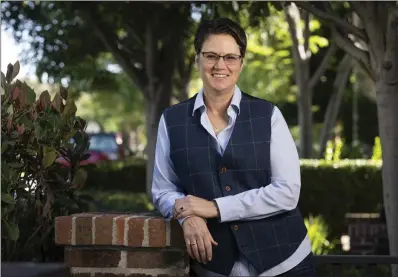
[241,67]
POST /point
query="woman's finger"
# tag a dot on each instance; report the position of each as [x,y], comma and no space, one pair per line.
[202,250]
[183,214]
[209,250]
[195,250]
[188,244]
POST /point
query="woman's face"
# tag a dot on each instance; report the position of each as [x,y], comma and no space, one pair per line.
[220,75]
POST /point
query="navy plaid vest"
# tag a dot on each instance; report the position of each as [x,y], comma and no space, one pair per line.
[245,165]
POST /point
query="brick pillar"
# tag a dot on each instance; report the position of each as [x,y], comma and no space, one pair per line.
[116,245]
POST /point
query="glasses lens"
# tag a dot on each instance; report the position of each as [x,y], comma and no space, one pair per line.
[211,57]
[231,59]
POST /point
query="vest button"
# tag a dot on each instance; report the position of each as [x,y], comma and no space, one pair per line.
[227,188]
[236,227]
[223,169]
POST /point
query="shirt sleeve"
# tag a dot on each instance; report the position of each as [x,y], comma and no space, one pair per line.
[165,188]
[282,194]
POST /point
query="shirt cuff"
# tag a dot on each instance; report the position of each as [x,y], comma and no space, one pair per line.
[224,207]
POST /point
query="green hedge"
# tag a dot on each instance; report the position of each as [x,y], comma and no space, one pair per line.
[328,189]
[334,189]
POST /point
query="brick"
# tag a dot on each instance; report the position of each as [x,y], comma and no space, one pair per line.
[177,235]
[88,257]
[103,230]
[157,232]
[119,230]
[157,258]
[110,230]
[135,234]
[63,230]
[83,230]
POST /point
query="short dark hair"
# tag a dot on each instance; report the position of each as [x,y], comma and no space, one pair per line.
[220,26]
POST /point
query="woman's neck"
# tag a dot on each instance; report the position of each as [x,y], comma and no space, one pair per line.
[217,103]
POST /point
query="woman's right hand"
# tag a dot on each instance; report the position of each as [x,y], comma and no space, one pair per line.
[198,239]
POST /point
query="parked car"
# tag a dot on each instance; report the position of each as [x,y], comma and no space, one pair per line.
[109,144]
[103,147]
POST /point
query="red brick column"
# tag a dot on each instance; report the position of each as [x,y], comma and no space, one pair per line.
[110,245]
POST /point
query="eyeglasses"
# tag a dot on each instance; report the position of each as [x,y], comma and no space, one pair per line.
[229,59]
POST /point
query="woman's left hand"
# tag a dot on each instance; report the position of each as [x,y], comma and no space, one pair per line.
[194,206]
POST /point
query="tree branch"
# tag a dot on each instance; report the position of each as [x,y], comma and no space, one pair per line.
[307,32]
[110,41]
[332,110]
[361,56]
[150,60]
[374,26]
[293,33]
[332,18]
[322,66]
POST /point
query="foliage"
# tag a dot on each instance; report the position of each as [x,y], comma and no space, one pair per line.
[329,189]
[318,233]
[117,109]
[333,150]
[35,187]
[118,201]
[377,152]
[332,189]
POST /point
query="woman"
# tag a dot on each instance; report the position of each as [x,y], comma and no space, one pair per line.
[227,168]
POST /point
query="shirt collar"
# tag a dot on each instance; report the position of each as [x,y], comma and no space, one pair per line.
[235,102]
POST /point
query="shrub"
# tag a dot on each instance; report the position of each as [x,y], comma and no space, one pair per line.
[35,187]
[330,189]
[333,189]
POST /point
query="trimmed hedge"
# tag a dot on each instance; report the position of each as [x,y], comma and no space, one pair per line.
[334,189]
[328,189]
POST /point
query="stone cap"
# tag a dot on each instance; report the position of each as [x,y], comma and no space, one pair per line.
[130,230]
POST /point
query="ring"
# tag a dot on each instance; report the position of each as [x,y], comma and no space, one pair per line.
[192,244]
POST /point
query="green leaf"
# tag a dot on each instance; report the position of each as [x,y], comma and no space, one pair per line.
[45,99]
[24,120]
[6,198]
[69,135]
[57,102]
[40,132]
[64,93]
[30,93]
[4,147]
[15,70]
[10,68]
[70,108]
[3,81]
[49,156]
[80,178]
[12,230]
[15,165]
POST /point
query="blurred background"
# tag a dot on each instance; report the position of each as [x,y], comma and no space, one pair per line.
[124,62]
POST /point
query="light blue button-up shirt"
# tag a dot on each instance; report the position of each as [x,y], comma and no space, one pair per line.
[279,196]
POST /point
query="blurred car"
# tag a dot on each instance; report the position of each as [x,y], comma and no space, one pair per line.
[103,147]
[109,144]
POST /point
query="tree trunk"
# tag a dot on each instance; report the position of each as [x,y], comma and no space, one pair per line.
[154,111]
[301,56]
[339,85]
[305,114]
[387,103]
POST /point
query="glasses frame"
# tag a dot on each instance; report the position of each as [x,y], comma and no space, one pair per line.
[220,56]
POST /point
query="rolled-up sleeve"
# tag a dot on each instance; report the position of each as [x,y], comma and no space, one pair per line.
[282,194]
[165,183]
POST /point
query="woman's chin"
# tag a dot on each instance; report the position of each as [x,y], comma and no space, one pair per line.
[220,86]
